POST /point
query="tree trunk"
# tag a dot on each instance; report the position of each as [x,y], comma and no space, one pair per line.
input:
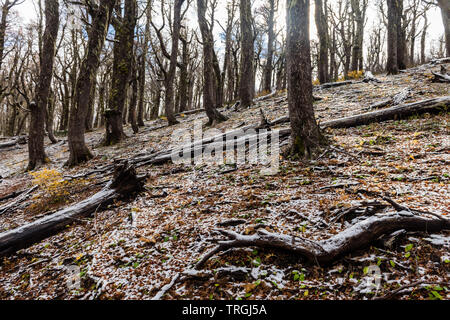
[3,22]
[392,60]
[209,77]
[36,148]
[133,99]
[90,114]
[358,42]
[401,36]
[271,38]
[423,39]
[141,94]
[184,78]
[79,152]
[123,54]
[322,30]
[49,118]
[154,112]
[247,84]
[306,136]
[445,12]
[170,76]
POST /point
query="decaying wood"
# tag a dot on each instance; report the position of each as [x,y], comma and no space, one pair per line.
[435,62]
[21,197]
[397,112]
[333,85]
[124,183]
[438,77]
[161,157]
[358,236]
[369,77]
[13,142]
[188,112]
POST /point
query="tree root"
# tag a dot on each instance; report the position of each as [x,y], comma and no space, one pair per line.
[326,251]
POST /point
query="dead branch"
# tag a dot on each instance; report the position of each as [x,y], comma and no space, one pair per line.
[124,183]
[326,251]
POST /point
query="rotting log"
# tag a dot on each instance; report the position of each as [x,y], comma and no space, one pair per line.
[125,183]
[188,112]
[334,84]
[13,142]
[356,237]
[164,156]
[397,112]
[20,198]
[438,77]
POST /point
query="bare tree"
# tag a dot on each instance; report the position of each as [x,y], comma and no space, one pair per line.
[359,9]
[247,80]
[209,75]
[445,12]
[36,150]
[306,137]
[79,152]
[123,55]
[392,39]
[269,14]
[321,17]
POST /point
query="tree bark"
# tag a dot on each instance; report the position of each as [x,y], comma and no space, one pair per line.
[123,54]
[401,36]
[392,38]
[79,152]
[322,30]
[445,12]
[49,117]
[306,137]
[36,148]
[247,81]
[133,99]
[358,40]
[170,76]
[184,77]
[209,80]
[271,38]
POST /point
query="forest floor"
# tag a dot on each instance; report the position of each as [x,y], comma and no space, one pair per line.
[132,249]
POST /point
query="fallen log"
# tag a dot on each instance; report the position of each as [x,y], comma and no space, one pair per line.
[430,105]
[13,142]
[21,197]
[188,112]
[369,77]
[438,77]
[397,112]
[440,61]
[124,183]
[356,237]
[333,84]
[266,97]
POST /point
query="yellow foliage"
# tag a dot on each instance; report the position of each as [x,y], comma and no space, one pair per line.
[355,74]
[51,181]
[54,188]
